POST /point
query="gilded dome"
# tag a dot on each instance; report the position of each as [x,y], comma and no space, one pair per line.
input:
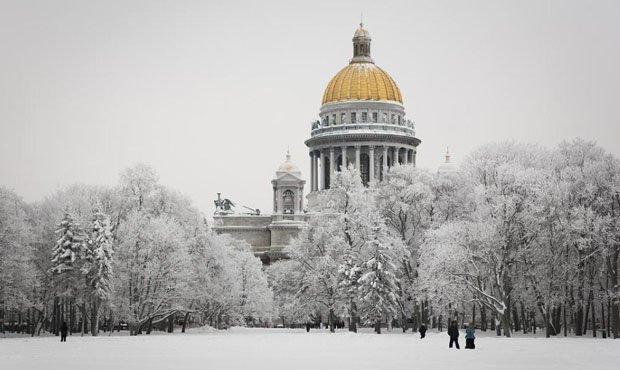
[362,81]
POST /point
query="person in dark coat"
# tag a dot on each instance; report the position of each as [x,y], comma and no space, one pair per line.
[470,336]
[422,331]
[63,332]
[453,332]
[307,327]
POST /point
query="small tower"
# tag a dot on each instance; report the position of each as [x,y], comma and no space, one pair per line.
[361,46]
[288,192]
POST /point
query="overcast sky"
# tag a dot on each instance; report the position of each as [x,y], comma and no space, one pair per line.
[211,94]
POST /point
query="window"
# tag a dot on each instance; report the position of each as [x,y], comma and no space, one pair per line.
[364,117]
[399,121]
[353,117]
[393,119]
[343,118]
[384,118]
[333,119]
[374,117]
[325,120]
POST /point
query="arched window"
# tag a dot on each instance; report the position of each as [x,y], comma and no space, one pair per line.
[288,202]
[365,168]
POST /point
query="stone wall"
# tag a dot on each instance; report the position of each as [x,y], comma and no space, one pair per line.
[252,229]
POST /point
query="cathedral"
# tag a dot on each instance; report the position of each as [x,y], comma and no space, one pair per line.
[361,124]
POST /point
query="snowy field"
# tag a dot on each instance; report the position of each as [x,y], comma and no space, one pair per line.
[240,348]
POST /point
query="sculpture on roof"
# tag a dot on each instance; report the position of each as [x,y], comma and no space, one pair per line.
[223,206]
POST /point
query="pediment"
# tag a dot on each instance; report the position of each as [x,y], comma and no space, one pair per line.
[286,177]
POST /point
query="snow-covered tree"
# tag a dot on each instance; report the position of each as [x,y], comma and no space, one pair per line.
[70,247]
[378,284]
[97,267]
[17,273]
[150,269]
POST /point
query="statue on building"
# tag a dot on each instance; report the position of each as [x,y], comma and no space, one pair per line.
[223,206]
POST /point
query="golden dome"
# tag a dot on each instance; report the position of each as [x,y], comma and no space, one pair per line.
[362,81]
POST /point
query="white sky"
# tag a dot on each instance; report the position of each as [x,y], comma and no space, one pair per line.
[211,94]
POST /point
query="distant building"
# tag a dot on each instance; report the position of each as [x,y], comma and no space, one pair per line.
[362,124]
[447,166]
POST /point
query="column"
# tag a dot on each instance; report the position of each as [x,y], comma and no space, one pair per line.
[275,202]
[311,171]
[406,156]
[385,159]
[343,163]
[358,150]
[371,166]
[315,181]
[332,166]
[322,171]
[395,156]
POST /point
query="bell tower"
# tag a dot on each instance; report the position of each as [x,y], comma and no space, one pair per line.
[288,192]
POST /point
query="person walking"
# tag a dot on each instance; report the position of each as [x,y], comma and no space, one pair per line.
[63,331]
[307,327]
[422,331]
[453,332]
[470,336]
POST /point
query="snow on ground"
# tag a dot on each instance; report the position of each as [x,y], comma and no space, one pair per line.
[273,349]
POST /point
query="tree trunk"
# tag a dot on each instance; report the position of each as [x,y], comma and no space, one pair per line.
[185,321]
[523,319]
[473,314]
[353,322]
[55,324]
[83,318]
[111,323]
[580,300]
[603,326]
[593,319]
[94,319]
[171,324]
[378,326]
[331,323]
[614,288]
[483,318]
[584,331]
[515,318]
[564,320]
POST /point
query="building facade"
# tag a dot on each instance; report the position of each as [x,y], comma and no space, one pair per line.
[269,234]
[362,124]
